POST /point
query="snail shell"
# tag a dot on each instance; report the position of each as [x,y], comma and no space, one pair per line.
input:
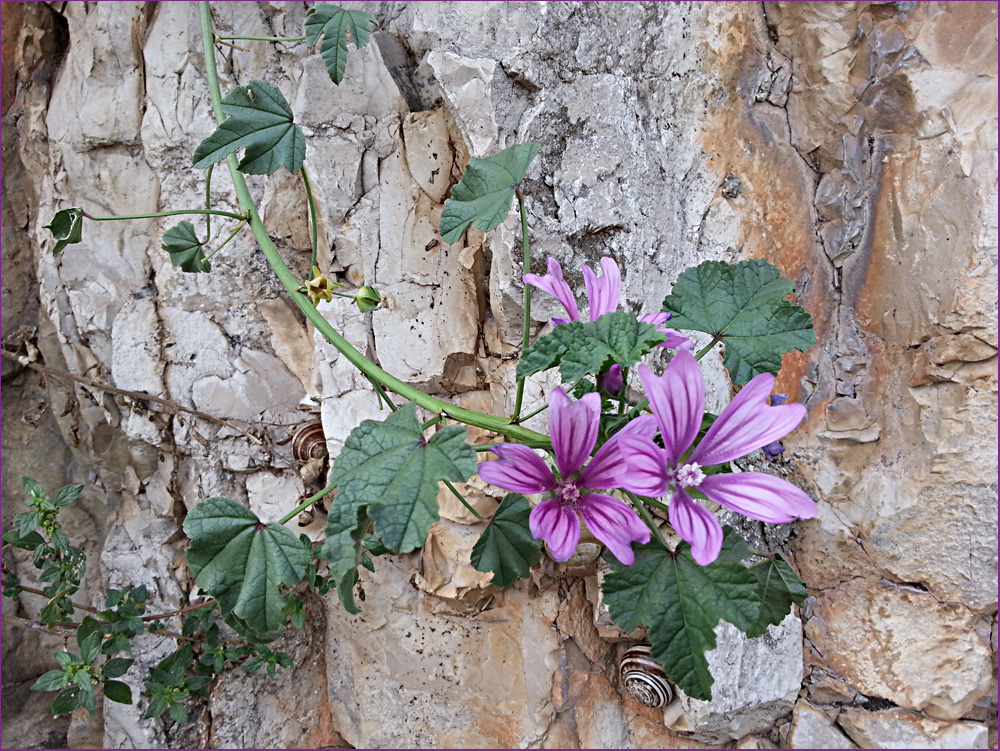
[643,678]
[309,442]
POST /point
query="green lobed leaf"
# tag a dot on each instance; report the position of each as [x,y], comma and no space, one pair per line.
[506,547]
[392,470]
[261,122]
[777,587]
[744,305]
[185,248]
[244,563]
[681,603]
[118,692]
[51,681]
[580,348]
[67,229]
[485,192]
[334,24]
[67,700]
[388,473]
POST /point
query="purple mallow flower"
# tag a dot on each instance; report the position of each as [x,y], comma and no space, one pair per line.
[603,294]
[573,427]
[746,424]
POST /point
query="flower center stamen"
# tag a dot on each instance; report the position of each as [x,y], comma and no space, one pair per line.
[689,475]
[568,492]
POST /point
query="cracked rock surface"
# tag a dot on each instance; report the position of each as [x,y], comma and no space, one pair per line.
[854,145]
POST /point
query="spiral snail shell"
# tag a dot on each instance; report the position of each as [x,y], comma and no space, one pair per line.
[643,678]
[309,442]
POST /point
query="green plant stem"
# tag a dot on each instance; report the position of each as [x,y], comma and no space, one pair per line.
[156,215]
[382,395]
[464,502]
[263,39]
[306,504]
[232,234]
[526,329]
[644,513]
[312,218]
[208,202]
[291,284]
[705,350]
[433,421]
[534,412]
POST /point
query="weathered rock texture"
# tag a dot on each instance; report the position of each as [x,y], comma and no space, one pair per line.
[852,144]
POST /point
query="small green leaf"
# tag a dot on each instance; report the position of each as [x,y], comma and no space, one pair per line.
[67,229]
[26,522]
[185,248]
[29,541]
[67,700]
[253,664]
[582,348]
[506,547]
[179,714]
[777,587]
[485,192]
[244,563]
[88,637]
[744,305]
[68,494]
[65,659]
[681,603]
[260,121]
[118,692]
[284,659]
[334,23]
[88,700]
[116,667]
[60,540]
[51,681]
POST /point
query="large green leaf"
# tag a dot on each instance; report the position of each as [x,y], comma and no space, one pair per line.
[67,228]
[244,563]
[334,24]
[390,468]
[681,603]
[777,587]
[506,547]
[261,122]
[185,248]
[388,473]
[485,192]
[588,347]
[744,305]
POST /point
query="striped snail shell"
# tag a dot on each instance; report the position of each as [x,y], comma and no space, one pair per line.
[643,678]
[309,442]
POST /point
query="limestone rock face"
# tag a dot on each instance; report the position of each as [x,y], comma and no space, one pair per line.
[851,144]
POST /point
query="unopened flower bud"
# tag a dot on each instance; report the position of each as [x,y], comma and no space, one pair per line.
[367,299]
[611,380]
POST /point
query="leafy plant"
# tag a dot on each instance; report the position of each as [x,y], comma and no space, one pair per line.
[506,547]
[334,24]
[743,306]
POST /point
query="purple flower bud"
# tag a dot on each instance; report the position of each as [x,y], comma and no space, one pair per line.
[777,400]
[611,380]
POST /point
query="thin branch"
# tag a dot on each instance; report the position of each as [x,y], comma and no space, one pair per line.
[170,406]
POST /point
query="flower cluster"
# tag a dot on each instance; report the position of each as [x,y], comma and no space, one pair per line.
[678,466]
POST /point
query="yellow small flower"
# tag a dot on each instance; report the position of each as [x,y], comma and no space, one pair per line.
[320,288]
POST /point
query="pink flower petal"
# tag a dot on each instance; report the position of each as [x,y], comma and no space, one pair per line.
[519,470]
[603,294]
[573,428]
[697,525]
[614,524]
[656,318]
[645,466]
[557,524]
[678,401]
[759,496]
[676,341]
[555,285]
[607,469]
[747,423]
